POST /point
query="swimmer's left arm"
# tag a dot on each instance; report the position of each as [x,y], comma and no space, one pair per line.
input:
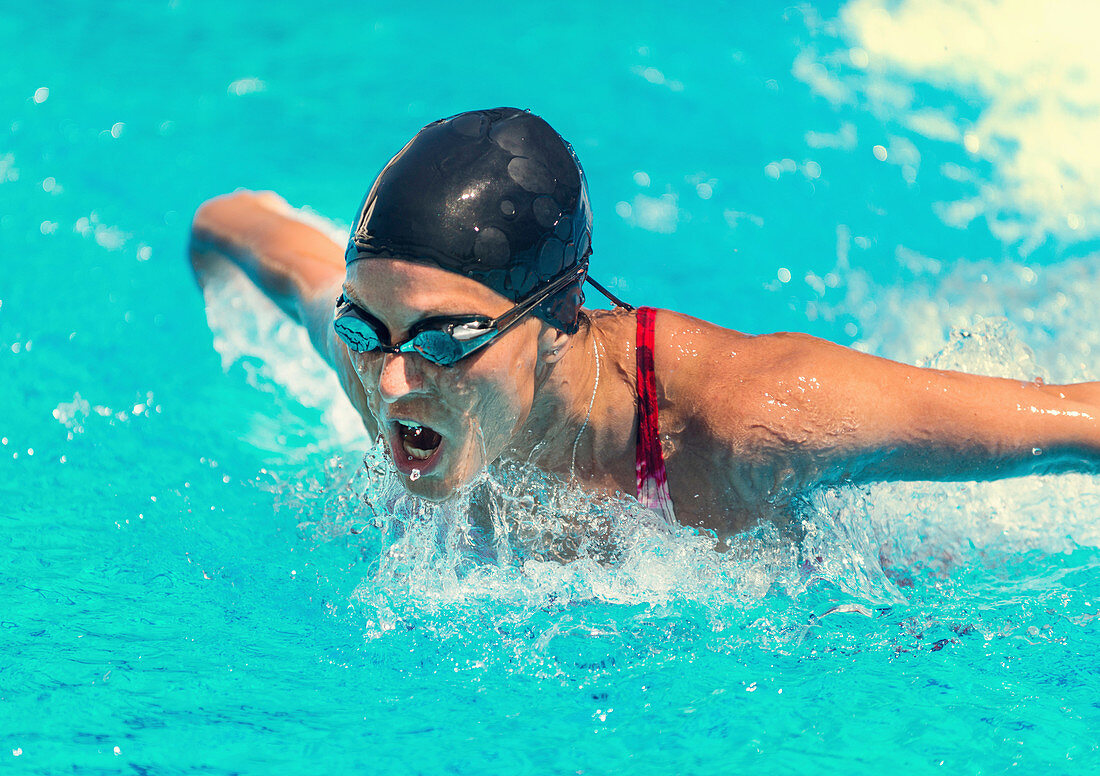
[850,416]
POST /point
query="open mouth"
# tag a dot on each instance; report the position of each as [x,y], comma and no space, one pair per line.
[418,441]
[416,447]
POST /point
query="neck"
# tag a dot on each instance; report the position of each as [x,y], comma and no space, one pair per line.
[563,415]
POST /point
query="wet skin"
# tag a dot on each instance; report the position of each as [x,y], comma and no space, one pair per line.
[477,406]
[748,424]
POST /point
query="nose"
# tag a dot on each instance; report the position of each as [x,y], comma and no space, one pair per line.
[398,376]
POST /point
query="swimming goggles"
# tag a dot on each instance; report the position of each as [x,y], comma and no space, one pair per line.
[443,340]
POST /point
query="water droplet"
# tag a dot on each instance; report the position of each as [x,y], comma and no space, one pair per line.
[415,475]
[1036,451]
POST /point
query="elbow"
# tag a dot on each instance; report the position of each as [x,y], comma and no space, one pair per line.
[219,228]
[215,213]
[205,227]
[211,237]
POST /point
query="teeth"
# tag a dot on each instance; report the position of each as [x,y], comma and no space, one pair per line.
[418,442]
[416,452]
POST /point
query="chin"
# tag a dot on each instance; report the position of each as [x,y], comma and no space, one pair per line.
[451,466]
[429,488]
[440,485]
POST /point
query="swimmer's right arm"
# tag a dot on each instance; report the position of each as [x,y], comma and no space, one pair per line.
[297,266]
[288,260]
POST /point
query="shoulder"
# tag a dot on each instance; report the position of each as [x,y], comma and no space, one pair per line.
[734,391]
[692,354]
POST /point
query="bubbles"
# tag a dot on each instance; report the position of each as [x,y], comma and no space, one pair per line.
[9,173]
[243,86]
[414,475]
[656,77]
[655,214]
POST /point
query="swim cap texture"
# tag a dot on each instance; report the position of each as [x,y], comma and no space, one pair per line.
[496,195]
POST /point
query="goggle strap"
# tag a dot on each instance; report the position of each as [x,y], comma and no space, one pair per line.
[505,322]
[609,295]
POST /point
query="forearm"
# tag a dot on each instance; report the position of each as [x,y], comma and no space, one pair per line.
[853,416]
[1082,393]
[287,259]
[985,428]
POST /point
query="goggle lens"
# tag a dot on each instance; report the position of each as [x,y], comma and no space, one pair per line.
[359,335]
[442,346]
[437,346]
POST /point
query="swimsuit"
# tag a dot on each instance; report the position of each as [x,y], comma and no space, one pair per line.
[649,460]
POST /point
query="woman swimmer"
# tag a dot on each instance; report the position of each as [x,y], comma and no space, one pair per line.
[458,334]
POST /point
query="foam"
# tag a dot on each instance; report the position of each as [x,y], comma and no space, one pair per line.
[1034,72]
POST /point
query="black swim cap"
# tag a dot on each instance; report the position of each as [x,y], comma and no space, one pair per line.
[495,195]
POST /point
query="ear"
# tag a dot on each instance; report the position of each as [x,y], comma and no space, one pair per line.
[553,344]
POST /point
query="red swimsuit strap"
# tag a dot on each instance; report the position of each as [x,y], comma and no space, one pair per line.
[649,460]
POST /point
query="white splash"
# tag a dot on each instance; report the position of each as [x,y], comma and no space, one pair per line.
[251,333]
[1035,68]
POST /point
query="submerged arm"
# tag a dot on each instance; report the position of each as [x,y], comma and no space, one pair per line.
[297,266]
[852,416]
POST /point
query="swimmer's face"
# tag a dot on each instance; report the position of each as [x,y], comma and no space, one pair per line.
[466,413]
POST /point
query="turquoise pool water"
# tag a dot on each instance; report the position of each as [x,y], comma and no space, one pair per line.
[201,574]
